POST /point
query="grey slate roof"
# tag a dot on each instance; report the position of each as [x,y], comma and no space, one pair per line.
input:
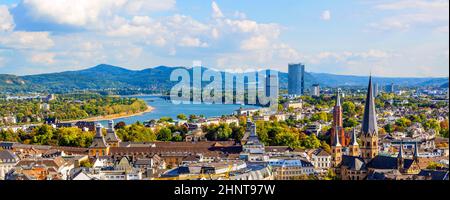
[143,162]
[387,162]
[111,136]
[435,174]
[369,125]
[321,152]
[7,145]
[7,157]
[353,163]
[376,176]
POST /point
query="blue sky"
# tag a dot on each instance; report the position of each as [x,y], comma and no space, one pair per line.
[400,38]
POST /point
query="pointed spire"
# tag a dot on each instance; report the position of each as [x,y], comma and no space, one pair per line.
[338,98]
[369,125]
[336,137]
[416,151]
[400,151]
[354,141]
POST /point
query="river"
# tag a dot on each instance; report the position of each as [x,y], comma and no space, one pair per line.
[165,108]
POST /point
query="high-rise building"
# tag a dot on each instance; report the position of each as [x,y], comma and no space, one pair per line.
[376,90]
[391,88]
[272,83]
[296,82]
[316,90]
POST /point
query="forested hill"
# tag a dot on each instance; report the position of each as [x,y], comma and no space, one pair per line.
[157,79]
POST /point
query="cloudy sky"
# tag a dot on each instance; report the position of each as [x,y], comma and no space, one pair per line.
[388,38]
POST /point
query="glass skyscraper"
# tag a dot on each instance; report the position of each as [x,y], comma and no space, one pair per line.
[296,82]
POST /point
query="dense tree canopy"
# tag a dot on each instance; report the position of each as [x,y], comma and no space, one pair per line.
[70,107]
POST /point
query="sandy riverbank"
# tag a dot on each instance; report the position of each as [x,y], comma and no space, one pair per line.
[115,116]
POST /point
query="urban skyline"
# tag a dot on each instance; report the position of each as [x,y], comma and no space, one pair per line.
[219,90]
[401,38]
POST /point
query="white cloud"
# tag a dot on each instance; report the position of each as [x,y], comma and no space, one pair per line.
[412,13]
[422,4]
[255,43]
[217,13]
[91,12]
[326,15]
[6,20]
[118,38]
[162,32]
[27,40]
[347,56]
[77,13]
[192,42]
[240,15]
[215,33]
[273,56]
[186,24]
[91,46]
[374,53]
[43,58]
[145,6]
[137,27]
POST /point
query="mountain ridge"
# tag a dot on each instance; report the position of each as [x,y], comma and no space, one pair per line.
[104,76]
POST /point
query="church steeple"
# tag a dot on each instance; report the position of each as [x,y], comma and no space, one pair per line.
[416,152]
[354,146]
[338,98]
[336,150]
[400,159]
[337,126]
[369,131]
[336,139]
[369,125]
[354,141]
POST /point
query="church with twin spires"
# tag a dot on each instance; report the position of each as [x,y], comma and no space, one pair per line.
[362,160]
[101,144]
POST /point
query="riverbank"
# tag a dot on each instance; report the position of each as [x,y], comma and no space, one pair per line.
[114,116]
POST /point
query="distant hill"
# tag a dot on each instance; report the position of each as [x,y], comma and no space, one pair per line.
[348,80]
[158,78]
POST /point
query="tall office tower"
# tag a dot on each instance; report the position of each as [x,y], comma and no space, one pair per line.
[296,80]
[316,90]
[376,90]
[391,88]
[272,83]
